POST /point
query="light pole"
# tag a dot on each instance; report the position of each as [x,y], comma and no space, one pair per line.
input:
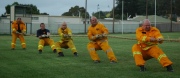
[171,15]
[85,15]
[155,15]
[122,15]
[113,14]
[98,10]
[146,9]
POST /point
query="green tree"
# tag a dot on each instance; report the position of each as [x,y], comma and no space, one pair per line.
[177,7]
[75,11]
[100,14]
[133,7]
[30,8]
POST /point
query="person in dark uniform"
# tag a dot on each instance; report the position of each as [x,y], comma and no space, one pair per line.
[44,35]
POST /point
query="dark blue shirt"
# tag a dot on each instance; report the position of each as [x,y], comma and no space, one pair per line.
[42,32]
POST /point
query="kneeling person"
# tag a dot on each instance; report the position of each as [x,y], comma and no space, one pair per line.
[65,40]
[44,35]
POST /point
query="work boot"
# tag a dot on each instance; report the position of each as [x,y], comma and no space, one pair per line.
[60,54]
[142,68]
[54,50]
[40,51]
[113,62]
[96,61]
[75,54]
[169,68]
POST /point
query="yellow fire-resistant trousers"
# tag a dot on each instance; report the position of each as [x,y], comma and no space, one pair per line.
[21,37]
[141,56]
[46,42]
[65,44]
[94,46]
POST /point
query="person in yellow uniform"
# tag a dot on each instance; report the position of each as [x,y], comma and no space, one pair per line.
[44,35]
[97,34]
[148,38]
[66,40]
[18,31]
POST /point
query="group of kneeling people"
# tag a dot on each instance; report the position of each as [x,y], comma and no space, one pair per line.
[148,38]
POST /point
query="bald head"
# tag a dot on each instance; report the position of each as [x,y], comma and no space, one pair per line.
[63,25]
[146,25]
[93,21]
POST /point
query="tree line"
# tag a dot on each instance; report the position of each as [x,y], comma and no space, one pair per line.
[131,7]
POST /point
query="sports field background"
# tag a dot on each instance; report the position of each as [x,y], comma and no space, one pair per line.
[28,63]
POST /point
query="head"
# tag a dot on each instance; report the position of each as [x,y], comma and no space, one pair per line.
[93,21]
[42,26]
[146,25]
[18,20]
[63,25]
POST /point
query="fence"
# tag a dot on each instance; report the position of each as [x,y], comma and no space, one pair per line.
[80,28]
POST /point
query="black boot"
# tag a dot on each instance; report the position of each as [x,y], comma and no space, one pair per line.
[54,50]
[142,68]
[169,68]
[97,61]
[40,51]
[75,54]
[61,54]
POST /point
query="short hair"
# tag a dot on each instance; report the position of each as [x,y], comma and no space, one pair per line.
[93,17]
[18,18]
[41,24]
[145,21]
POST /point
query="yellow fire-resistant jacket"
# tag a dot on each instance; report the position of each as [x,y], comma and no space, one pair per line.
[143,37]
[15,27]
[99,29]
[65,31]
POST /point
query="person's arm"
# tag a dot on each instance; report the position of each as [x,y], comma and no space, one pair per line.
[13,27]
[60,32]
[48,33]
[24,28]
[38,34]
[159,36]
[105,31]
[90,35]
[69,32]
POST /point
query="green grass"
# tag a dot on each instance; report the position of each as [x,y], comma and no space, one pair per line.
[29,64]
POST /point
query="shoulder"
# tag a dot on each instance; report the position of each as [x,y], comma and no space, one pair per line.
[139,29]
[89,27]
[100,24]
[22,22]
[59,29]
[46,29]
[39,30]
[68,28]
[154,29]
[14,22]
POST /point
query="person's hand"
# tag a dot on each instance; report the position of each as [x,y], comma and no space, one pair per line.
[17,32]
[160,40]
[99,36]
[152,39]
[43,35]
[104,35]
[48,34]
[24,33]
[66,36]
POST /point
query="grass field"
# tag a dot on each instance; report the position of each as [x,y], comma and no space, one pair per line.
[28,63]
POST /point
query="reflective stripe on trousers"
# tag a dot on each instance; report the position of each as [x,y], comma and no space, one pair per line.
[161,56]
[137,52]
